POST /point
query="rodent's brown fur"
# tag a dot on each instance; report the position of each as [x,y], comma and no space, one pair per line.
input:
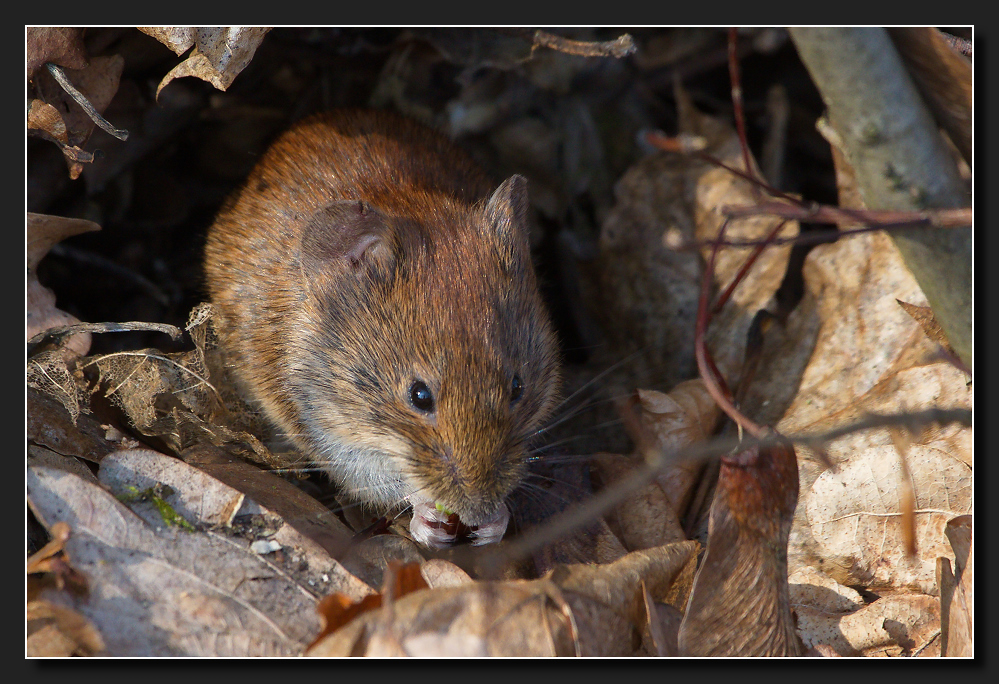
[331,309]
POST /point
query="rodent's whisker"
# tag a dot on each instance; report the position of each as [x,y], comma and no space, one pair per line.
[541,495]
[599,376]
[555,480]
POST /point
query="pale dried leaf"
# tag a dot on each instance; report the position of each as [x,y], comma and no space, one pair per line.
[44,117]
[713,189]
[815,589]
[171,592]
[303,516]
[685,416]
[855,514]
[645,519]
[577,609]
[893,625]
[958,598]
[644,294]
[661,628]
[195,495]
[48,373]
[177,38]
[219,55]
[369,559]
[42,232]
[441,573]
[484,618]
[871,356]
[57,631]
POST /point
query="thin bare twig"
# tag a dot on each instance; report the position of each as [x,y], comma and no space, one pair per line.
[622,46]
[740,119]
[84,103]
[713,380]
[576,516]
[64,330]
[823,213]
[768,240]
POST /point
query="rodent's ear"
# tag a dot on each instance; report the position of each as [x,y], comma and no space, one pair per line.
[506,212]
[349,231]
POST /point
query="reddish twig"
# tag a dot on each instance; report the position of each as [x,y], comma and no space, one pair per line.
[824,213]
[683,146]
[746,266]
[713,380]
[740,119]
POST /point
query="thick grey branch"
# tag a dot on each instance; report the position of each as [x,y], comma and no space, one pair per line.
[899,159]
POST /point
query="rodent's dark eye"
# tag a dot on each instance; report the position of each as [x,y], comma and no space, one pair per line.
[516,389]
[420,396]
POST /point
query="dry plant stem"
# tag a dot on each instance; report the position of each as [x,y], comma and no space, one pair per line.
[62,330]
[768,240]
[84,103]
[668,144]
[566,522]
[740,119]
[899,159]
[709,374]
[622,46]
[881,218]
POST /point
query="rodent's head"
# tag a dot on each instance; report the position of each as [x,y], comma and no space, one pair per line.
[425,358]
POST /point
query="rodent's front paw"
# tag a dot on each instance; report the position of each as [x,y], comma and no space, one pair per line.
[438,529]
[432,527]
[491,530]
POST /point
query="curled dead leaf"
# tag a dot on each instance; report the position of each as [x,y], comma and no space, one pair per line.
[219,55]
[576,610]
[42,232]
[739,605]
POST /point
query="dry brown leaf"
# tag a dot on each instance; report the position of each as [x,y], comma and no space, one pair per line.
[166,591]
[441,573]
[685,416]
[55,631]
[60,533]
[97,83]
[644,294]
[62,45]
[177,38]
[485,618]
[871,356]
[740,604]
[576,610]
[928,322]
[337,610]
[42,232]
[904,624]
[219,55]
[957,604]
[661,628]
[855,515]
[50,425]
[44,117]
[815,589]
[370,559]
[646,518]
